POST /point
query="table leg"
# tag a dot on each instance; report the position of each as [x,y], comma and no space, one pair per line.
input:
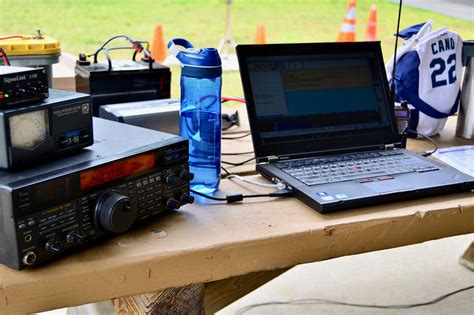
[184,300]
[196,298]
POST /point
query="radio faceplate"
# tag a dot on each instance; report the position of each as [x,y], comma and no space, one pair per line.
[72,224]
[63,209]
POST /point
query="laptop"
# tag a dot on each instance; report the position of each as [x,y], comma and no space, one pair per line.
[322,122]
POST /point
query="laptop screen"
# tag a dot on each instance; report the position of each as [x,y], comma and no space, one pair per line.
[300,95]
[315,94]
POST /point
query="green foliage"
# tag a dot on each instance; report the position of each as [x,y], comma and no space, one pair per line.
[81,26]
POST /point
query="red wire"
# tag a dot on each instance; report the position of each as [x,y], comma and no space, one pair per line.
[4,57]
[8,37]
[236,99]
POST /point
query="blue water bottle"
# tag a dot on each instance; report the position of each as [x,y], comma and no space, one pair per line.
[200,118]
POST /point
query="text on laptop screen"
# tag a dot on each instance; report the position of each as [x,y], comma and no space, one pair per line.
[320,94]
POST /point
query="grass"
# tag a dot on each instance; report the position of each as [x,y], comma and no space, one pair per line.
[81,26]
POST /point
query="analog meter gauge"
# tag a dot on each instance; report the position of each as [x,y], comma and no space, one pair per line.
[28,130]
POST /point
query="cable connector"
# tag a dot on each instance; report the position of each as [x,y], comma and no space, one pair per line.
[288,192]
[234,198]
[137,46]
[282,193]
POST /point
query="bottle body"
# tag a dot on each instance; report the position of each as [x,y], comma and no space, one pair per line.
[465,124]
[200,123]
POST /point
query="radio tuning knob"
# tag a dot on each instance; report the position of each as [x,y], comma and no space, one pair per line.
[53,246]
[171,179]
[186,198]
[114,212]
[186,175]
[75,238]
[172,204]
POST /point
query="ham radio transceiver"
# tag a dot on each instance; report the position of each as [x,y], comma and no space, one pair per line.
[129,175]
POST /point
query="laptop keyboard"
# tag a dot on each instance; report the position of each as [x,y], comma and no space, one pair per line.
[365,167]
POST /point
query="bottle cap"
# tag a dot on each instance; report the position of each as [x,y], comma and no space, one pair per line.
[194,57]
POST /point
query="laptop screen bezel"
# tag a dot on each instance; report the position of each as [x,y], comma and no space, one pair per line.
[306,145]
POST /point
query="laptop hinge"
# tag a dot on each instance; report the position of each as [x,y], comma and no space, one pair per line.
[268,159]
[389,147]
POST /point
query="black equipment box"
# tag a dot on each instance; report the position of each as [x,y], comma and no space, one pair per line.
[129,175]
[122,81]
[32,133]
[20,85]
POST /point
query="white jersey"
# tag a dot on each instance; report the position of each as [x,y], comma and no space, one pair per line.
[428,76]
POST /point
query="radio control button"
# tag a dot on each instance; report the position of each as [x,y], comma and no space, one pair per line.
[172,204]
[75,238]
[25,205]
[21,226]
[53,246]
[186,175]
[186,198]
[171,179]
[28,238]
[31,223]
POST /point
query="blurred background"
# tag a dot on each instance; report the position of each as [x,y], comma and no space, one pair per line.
[82,26]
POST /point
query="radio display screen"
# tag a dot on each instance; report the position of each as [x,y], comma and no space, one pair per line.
[116,170]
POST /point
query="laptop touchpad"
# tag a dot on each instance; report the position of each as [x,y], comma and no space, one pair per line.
[385,186]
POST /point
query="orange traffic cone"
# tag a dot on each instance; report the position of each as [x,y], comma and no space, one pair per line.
[371,31]
[260,37]
[158,48]
[347,32]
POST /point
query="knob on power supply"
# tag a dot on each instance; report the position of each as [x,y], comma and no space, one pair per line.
[114,212]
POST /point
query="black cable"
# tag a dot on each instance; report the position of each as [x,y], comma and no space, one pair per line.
[239,197]
[238,163]
[425,154]
[208,196]
[238,137]
[237,153]
[225,170]
[137,45]
[334,302]
[106,43]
